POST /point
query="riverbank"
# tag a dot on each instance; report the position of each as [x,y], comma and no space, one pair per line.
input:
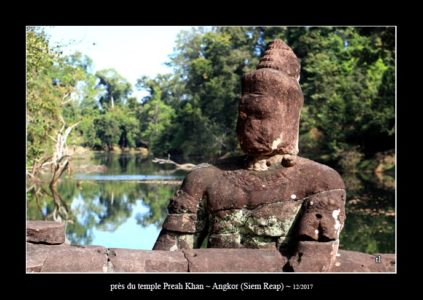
[82,158]
[79,150]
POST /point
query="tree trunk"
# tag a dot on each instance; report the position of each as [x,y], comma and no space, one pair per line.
[60,211]
[60,159]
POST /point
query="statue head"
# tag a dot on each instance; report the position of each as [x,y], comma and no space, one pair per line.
[270,105]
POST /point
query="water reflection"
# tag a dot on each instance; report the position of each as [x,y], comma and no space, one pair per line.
[129,214]
[105,206]
[370,223]
[109,208]
[125,177]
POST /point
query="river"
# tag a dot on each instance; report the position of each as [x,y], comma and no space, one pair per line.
[118,208]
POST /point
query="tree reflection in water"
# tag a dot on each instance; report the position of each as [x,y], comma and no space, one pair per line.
[106,205]
[370,223]
[102,205]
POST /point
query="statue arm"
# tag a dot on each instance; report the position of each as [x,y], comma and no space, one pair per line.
[185,227]
[318,231]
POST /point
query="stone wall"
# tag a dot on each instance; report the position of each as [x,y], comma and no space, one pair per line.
[48,252]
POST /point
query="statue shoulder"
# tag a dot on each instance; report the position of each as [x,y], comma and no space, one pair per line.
[319,176]
[203,175]
[199,178]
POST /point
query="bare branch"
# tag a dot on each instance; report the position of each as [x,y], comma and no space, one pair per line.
[67,101]
[187,166]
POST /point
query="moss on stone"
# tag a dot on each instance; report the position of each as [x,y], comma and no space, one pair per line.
[258,241]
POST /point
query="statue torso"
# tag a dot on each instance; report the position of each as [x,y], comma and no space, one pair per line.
[256,209]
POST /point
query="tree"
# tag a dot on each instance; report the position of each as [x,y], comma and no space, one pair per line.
[43,106]
[156,116]
[116,89]
[192,124]
[129,127]
[347,79]
[107,130]
[207,71]
[51,86]
[343,84]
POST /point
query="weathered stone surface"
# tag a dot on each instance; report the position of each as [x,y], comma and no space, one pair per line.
[65,258]
[228,221]
[238,188]
[36,254]
[279,56]
[76,259]
[270,105]
[48,232]
[259,242]
[166,240]
[234,193]
[186,241]
[314,256]
[323,216]
[260,228]
[127,260]
[274,219]
[352,261]
[181,202]
[185,223]
[234,260]
[225,240]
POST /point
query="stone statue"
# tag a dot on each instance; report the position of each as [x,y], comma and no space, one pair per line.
[270,197]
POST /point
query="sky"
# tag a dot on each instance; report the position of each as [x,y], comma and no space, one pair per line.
[133,51]
[128,235]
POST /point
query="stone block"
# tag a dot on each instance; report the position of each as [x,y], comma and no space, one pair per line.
[234,260]
[352,261]
[128,260]
[47,232]
[76,259]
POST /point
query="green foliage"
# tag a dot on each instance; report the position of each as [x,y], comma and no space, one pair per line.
[43,107]
[156,116]
[52,89]
[348,80]
[118,126]
[87,133]
[157,199]
[128,126]
[116,88]
[369,234]
[107,130]
[192,123]
[348,98]
[207,70]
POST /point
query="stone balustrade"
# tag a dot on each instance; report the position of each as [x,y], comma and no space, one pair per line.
[48,252]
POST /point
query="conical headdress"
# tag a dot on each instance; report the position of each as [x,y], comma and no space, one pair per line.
[279,56]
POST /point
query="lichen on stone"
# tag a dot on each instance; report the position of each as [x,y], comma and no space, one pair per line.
[258,242]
